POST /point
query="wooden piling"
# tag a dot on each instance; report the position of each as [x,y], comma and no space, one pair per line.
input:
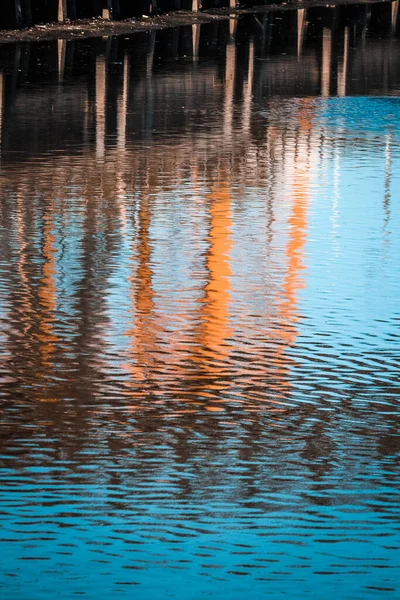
[62,10]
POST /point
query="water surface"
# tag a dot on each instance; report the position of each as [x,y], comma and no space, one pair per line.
[199,314]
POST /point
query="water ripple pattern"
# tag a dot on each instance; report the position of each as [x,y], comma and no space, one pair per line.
[199,311]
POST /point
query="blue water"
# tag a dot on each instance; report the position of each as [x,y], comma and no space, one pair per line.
[199,316]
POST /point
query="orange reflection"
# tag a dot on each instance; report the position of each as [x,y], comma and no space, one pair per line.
[216,303]
[214,330]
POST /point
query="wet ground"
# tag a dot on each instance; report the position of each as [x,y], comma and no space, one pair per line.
[199,316]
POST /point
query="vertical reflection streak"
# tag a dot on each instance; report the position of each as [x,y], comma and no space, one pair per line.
[47,292]
[122,107]
[342,67]
[214,319]
[335,199]
[388,176]
[248,92]
[61,50]
[326,61]
[298,225]
[195,40]
[395,11]
[142,342]
[101,76]
[150,54]
[301,23]
[229,87]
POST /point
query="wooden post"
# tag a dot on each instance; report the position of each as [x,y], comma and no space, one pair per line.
[62,10]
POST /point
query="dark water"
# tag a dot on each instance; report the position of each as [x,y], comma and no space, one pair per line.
[199,308]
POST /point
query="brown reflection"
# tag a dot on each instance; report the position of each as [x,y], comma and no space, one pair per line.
[101,82]
[301,26]
[141,335]
[123,107]
[395,12]
[229,87]
[326,61]
[152,151]
[47,293]
[62,49]
[24,309]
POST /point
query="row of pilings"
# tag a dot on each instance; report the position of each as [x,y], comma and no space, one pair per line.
[25,13]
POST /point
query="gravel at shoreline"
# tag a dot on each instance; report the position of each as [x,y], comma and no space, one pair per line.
[100,27]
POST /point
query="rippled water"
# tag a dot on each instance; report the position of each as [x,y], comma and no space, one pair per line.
[199,308]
